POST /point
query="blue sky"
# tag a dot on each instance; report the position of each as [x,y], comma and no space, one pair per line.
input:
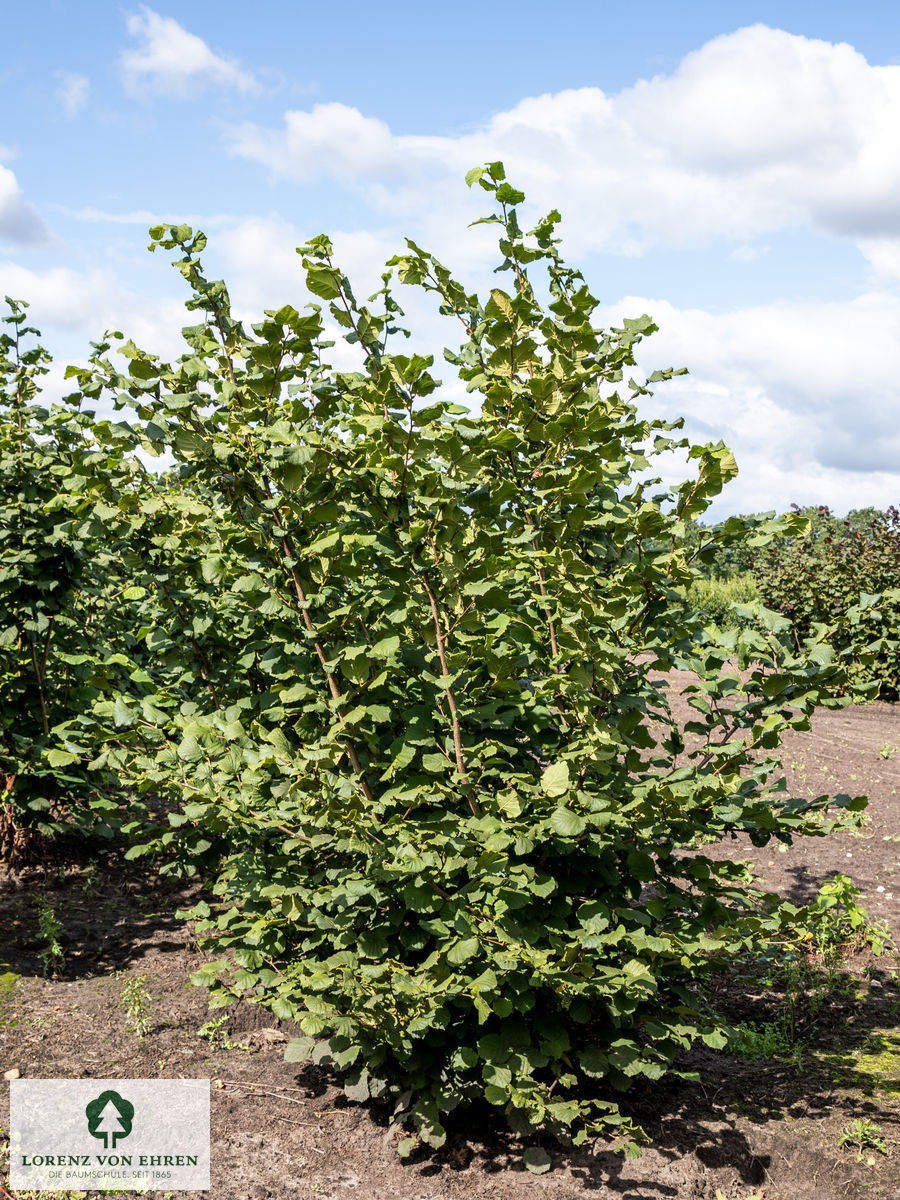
[732,169]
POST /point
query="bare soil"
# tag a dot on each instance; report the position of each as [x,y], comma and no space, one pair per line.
[765,1128]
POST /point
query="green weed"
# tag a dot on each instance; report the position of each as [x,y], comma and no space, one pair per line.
[214,1033]
[137,1003]
[863,1134]
[753,1041]
[835,924]
[49,931]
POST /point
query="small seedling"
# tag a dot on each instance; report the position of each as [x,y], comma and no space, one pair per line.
[49,930]
[137,1002]
[89,880]
[837,923]
[754,1041]
[859,829]
[863,1134]
[214,1033]
[887,750]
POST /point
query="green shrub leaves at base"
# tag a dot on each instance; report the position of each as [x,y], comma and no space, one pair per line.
[433,778]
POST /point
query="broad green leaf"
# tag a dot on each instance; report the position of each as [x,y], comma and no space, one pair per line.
[537,1160]
[567,823]
[555,779]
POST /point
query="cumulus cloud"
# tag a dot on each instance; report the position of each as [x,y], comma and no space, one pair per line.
[73,92]
[67,301]
[756,131]
[333,139]
[19,222]
[169,60]
[748,254]
[804,393]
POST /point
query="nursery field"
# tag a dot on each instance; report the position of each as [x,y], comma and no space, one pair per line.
[808,1106]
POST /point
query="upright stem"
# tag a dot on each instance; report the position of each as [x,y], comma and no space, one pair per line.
[542,587]
[451,699]
[542,584]
[39,674]
[323,659]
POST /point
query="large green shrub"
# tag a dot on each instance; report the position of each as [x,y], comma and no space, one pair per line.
[60,586]
[843,575]
[451,812]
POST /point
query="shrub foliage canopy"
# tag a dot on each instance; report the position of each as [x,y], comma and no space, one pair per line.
[398,673]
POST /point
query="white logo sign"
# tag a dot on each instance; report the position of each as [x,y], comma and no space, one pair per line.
[109,1134]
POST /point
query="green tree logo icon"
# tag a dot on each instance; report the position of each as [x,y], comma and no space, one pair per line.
[110,1116]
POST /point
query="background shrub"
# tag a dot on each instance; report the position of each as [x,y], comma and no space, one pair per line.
[843,574]
[714,600]
[62,589]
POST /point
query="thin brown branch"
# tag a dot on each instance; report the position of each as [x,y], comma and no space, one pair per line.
[323,659]
[39,677]
[451,699]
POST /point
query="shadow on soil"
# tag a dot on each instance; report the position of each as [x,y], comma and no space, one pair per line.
[847,1065]
[106,917]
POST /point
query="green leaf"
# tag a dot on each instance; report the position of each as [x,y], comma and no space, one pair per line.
[299,1049]
[356,1086]
[593,1062]
[567,823]
[438,764]
[189,749]
[61,758]
[324,282]
[462,951]
[555,779]
[385,647]
[536,1160]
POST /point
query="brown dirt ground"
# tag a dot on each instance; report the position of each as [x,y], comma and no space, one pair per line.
[766,1128]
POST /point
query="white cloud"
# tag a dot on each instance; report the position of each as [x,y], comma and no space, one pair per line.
[169,60]
[333,139]
[747,254]
[147,217]
[73,92]
[805,394]
[19,222]
[756,131]
[86,303]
